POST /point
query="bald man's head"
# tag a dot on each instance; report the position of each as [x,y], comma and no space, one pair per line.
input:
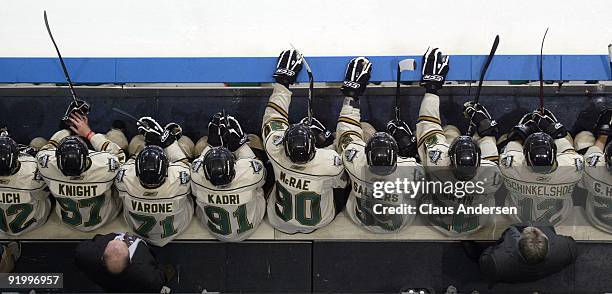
[116,256]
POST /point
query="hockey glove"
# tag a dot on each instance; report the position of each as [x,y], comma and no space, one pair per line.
[214,130]
[548,123]
[480,119]
[233,136]
[525,128]
[604,120]
[153,133]
[435,69]
[175,130]
[406,141]
[323,136]
[288,67]
[357,77]
[79,106]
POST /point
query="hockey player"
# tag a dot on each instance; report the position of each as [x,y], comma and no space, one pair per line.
[24,197]
[307,178]
[227,181]
[80,179]
[597,178]
[376,160]
[464,159]
[540,169]
[155,186]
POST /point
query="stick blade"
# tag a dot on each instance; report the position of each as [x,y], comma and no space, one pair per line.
[407,64]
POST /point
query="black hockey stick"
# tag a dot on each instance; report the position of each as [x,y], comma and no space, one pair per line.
[610,58]
[403,65]
[485,67]
[542,73]
[74,97]
[310,84]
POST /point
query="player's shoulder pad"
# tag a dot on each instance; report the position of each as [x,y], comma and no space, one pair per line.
[43,160]
[196,165]
[579,163]
[506,160]
[120,175]
[277,139]
[434,155]
[256,165]
[350,154]
[113,164]
[184,177]
[593,159]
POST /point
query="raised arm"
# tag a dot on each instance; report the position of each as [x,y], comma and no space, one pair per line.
[355,82]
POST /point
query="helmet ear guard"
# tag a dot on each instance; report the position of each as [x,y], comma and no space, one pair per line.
[72,155]
[218,165]
[540,152]
[9,156]
[381,153]
[465,156]
[152,167]
[299,143]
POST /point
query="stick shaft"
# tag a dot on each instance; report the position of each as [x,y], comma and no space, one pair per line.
[397,93]
[66,75]
[485,67]
[542,73]
[117,110]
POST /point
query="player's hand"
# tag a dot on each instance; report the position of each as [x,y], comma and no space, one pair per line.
[548,123]
[406,141]
[323,136]
[79,106]
[604,120]
[79,124]
[233,136]
[480,119]
[288,67]
[357,77]
[435,69]
[214,130]
[174,129]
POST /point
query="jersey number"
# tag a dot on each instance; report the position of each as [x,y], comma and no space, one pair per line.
[22,211]
[307,206]
[550,207]
[72,215]
[219,220]
[148,222]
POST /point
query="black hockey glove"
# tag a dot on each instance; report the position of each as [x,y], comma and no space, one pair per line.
[604,120]
[357,77]
[323,136]
[524,128]
[153,133]
[29,150]
[548,123]
[232,134]
[215,127]
[78,106]
[435,69]
[288,67]
[406,141]
[480,119]
[175,130]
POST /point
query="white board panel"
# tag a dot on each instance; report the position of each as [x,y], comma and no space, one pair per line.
[196,28]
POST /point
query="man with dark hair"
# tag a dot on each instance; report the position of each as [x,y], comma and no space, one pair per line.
[121,262]
[527,253]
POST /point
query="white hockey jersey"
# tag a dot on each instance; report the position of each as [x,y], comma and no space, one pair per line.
[541,197]
[433,148]
[157,215]
[302,199]
[597,180]
[234,212]
[85,202]
[361,202]
[24,199]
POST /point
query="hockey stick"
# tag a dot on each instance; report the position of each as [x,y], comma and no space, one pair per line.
[483,72]
[542,73]
[403,65]
[66,75]
[310,84]
[485,67]
[117,110]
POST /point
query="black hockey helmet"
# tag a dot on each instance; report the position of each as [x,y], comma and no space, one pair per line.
[464,157]
[608,154]
[9,156]
[152,166]
[72,156]
[381,153]
[540,152]
[219,166]
[299,142]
